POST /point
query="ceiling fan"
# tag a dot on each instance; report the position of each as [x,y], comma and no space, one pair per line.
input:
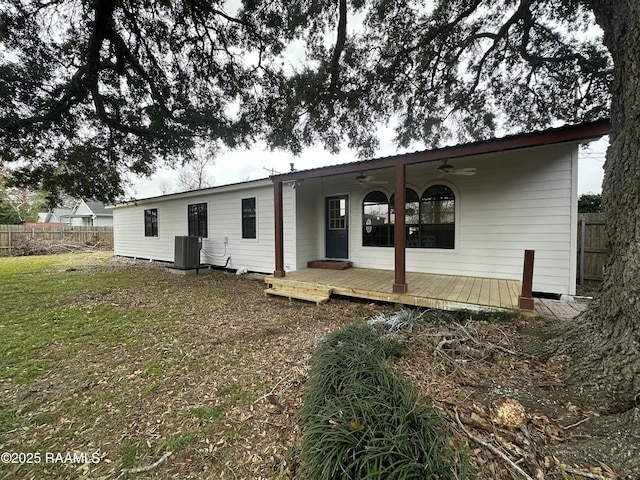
[368,180]
[446,169]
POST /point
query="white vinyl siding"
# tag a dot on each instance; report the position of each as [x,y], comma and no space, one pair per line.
[518,200]
[309,232]
[224,221]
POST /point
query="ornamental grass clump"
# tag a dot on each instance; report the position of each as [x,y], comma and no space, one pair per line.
[360,421]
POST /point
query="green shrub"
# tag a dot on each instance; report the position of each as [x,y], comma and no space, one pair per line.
[360,421]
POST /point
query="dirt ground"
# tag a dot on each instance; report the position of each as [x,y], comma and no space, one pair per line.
[510,408]
[513,409]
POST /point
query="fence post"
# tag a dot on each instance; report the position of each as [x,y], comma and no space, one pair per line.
[583,240]
[525,301]
[10,240]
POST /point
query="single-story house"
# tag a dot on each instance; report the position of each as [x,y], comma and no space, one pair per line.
[57,216]
[91,213]
[471,211]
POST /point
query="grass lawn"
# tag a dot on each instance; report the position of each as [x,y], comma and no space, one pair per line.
[146,374]
[123,362]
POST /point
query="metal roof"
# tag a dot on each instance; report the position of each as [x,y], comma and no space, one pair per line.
[565,134]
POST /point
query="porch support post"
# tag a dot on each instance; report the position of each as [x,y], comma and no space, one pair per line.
[525,301]
[279,229]
[399,231]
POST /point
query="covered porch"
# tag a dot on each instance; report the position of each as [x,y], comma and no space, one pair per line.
[445,292]
[521,201]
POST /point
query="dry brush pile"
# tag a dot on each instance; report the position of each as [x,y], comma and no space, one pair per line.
[506,404]
[39,246]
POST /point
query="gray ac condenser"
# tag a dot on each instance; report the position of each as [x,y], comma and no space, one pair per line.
[187,252]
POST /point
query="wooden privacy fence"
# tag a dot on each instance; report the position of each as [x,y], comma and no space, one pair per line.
[592,247]
[14,238]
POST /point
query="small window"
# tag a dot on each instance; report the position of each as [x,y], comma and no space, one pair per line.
[249,218]
[337,213]
[151,222]
[197,220]
[437,217]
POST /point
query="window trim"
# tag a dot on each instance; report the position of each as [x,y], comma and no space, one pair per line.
[201,213]
[253,219]
[151,222]
[419,226]
[385,226]
[455,222]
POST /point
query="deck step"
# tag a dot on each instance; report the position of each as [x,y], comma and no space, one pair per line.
[310,292]
[285,283]
[317,298]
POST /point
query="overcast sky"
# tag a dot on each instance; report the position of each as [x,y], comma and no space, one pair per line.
[241,165]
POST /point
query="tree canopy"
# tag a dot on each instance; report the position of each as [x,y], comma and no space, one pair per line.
[18,205]
[92,90]
[459,70]
[590,203]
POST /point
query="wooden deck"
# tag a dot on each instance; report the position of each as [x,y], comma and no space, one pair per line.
[560,310]
[445,292]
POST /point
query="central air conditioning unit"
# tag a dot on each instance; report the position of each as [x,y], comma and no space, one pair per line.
[187,252]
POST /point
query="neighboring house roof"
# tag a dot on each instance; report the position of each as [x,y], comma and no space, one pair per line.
[57,215]
[98,208]
[82,209]
[89,209]
[61,214]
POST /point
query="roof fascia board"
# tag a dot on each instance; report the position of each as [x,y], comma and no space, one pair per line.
[264,182]
[572,133]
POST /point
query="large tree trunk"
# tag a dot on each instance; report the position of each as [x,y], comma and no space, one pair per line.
[605,340]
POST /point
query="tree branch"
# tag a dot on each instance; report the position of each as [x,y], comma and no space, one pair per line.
[515,467]
[502,34]
[75,92]
[123,51]
[340,41]
[160,461]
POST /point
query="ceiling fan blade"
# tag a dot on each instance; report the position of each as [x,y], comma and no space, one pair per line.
[368,180]
[465,171]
